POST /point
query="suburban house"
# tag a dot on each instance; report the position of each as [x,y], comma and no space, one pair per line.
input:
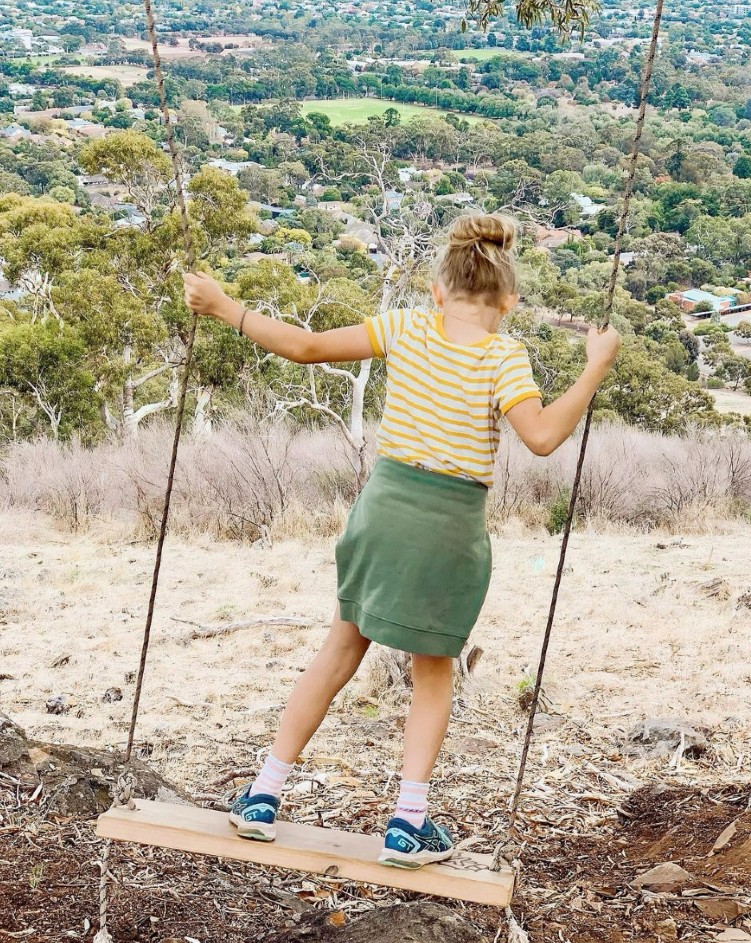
[234,166]
[15,131]
[688,300]
[274,211]
[546,238]
[458,199]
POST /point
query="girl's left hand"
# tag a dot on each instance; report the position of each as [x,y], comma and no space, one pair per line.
[203,294]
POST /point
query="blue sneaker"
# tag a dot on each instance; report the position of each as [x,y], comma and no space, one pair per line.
[409,847]
[255,816]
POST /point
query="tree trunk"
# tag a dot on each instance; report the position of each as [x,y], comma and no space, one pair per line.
[422,922]
[107,418]
[202,419]
[357,420]
[130,426]
[75,780]
[132,417]
[54,415]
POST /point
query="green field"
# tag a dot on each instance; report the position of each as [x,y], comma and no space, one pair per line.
[37,61]
[481,55]
[358,110]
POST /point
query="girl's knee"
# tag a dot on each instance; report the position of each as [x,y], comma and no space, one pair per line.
[344,653]
[432,665]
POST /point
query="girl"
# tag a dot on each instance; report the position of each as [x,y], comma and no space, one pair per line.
[414,562]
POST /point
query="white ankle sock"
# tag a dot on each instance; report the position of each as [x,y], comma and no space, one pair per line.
[272,778]
[413,802]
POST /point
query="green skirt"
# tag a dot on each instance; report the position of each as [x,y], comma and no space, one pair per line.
[414,562]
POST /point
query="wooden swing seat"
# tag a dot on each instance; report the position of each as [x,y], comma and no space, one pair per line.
[305,848]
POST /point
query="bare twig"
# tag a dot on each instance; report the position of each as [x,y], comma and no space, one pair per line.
[212,631]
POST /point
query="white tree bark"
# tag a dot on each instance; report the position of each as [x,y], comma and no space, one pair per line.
[15,412]
[357,415]
[405,241]
[107,418]
[39,286]
[52,412]
[203,423]
[132,417]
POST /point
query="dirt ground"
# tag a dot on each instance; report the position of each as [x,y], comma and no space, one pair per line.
[572,888]
[648,627]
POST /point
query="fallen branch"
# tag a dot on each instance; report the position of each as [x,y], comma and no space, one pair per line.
[212,631]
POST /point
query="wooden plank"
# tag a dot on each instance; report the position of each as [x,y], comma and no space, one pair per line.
[305,848]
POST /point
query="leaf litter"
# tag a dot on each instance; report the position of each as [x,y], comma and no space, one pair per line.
[611,849]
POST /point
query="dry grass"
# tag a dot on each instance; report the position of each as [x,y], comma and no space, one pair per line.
[730,401]
[127,74]
[180,51]
[249,482]
[638,634]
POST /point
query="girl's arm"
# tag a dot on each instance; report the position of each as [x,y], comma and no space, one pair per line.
[542,430]
[204,295]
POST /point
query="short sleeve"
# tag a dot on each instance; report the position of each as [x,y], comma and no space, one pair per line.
[384,329]
[515,381]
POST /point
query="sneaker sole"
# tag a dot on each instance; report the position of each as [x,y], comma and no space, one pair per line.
[256,831]
[412,862]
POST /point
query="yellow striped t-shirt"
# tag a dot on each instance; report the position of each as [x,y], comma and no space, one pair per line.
[444,400]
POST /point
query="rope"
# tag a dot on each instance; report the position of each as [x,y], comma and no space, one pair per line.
[103,934]
[190,261]
[123,792]
[610,298]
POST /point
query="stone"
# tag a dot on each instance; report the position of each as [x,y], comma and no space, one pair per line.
[112,694]
[544,722]
[658,736]
[475,746]
[59,704]
[721,909]
[12,741]
[667,929]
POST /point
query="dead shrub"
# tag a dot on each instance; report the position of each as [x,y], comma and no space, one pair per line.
[59,479]
[251,480]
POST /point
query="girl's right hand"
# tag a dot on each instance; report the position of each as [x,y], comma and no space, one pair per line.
[203,294]
[603,346]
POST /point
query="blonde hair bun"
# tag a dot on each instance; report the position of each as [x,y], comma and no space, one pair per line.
[479,259]
[493,228]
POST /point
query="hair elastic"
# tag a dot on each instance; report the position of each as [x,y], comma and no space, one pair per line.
[242,321]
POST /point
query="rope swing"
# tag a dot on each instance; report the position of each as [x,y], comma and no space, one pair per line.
[123,791]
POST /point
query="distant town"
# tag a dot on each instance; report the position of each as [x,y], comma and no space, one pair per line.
[287,108]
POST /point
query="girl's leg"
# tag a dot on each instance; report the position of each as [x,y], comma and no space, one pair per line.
[432,695]
[425,731]
[330,670]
